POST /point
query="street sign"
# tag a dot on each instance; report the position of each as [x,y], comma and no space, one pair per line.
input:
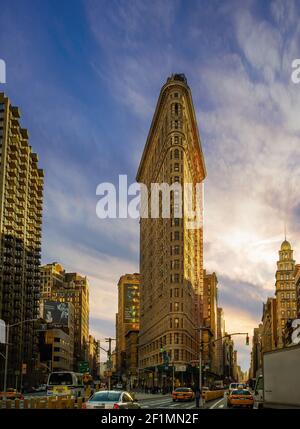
[2,332]
[83,367]
[180,368]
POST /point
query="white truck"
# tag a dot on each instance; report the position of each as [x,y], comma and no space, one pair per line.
[278,385]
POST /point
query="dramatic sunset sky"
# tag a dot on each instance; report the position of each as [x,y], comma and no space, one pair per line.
[87,74]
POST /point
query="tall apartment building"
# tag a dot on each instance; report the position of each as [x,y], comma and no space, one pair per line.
[286,293]
[171,253]
[58,285]
[21,202]
[128,316]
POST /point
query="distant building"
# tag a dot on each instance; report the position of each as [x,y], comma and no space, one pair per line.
[59,285]
[128,316]
[94,357]
[56,341]
[210,320]
[21,203]
[286,294]
[256,354]
[56,350]
[132,358]
[228,354]
[219,343]
[235,366]
[297,284]
[269,326]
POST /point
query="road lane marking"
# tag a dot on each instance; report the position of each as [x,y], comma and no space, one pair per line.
[213,406]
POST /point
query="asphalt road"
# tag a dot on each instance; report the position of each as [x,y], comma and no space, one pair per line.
[166,402]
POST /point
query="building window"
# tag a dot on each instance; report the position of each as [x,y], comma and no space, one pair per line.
[176,250]
[176,278]
[176,154]
[176,221]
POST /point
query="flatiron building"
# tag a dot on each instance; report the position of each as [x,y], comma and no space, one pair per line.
[171,253]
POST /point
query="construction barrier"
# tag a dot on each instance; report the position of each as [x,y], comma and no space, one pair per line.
[58,402]
[209,395]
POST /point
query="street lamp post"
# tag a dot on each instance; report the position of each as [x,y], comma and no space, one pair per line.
[173,376]
[200,329]
[8,326]
[200,364]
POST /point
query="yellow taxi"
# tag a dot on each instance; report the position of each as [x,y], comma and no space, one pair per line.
[240,398]
[183,394]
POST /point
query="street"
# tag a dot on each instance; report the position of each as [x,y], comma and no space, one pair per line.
[165,401]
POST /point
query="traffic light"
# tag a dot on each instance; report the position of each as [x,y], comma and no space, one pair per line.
[247,340]
[166,357]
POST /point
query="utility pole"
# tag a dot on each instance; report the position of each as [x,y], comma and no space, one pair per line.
[200,365]
[109,340]
[200,329]
[6,359]
[8,326]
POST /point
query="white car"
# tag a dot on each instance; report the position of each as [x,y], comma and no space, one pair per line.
[233,386]
[111,399]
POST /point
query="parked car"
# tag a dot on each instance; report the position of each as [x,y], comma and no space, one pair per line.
[232,386]
[183,394]
[240,398]
[111,399]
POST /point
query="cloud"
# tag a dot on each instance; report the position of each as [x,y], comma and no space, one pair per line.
[248,114]
[90,124]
